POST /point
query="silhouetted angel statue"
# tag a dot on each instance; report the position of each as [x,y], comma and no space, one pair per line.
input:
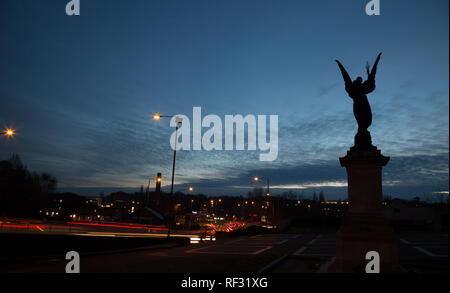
[357,90]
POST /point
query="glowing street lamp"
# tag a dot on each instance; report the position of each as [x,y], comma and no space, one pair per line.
[9,132]
[159,116]
[191,188]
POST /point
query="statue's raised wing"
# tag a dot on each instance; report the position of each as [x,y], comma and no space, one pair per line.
[347,79]
[369,84]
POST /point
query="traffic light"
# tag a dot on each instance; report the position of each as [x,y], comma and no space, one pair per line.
[158,183]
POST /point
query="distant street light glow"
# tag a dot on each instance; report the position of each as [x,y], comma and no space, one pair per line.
[9,132]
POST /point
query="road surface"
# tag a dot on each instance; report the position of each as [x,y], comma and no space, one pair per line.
[270,253]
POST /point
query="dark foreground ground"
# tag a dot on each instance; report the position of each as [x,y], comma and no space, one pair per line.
[421,252]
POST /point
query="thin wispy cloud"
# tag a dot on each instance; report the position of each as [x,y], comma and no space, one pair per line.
[83,100]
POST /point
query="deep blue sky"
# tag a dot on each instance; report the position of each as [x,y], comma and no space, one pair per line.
[81,90]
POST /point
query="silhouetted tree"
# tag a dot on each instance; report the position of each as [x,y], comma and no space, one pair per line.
[321,196]
[48,183]
[21,192]
[289,195]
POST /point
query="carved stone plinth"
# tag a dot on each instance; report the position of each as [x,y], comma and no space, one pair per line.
[364,228]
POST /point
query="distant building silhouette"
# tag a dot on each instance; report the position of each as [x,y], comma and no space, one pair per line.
[415,215]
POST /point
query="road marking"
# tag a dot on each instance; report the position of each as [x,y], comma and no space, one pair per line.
[298,252]
[196,249]
[424,251]
[314,240]
[405,241]
[428,252]
[262,270]
[261,250]
[434,245]
[429,243]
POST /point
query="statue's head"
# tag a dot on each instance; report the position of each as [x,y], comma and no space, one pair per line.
[358,80]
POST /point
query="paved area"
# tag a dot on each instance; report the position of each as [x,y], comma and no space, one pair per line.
[243,254]
[422,252]
[246,245]
[269,253]
[321,246]
[434,245]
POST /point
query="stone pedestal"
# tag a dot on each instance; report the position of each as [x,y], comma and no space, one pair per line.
[364,228]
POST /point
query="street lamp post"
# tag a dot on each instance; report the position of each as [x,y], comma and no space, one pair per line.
[256,179]
[178,121]
[191,190]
